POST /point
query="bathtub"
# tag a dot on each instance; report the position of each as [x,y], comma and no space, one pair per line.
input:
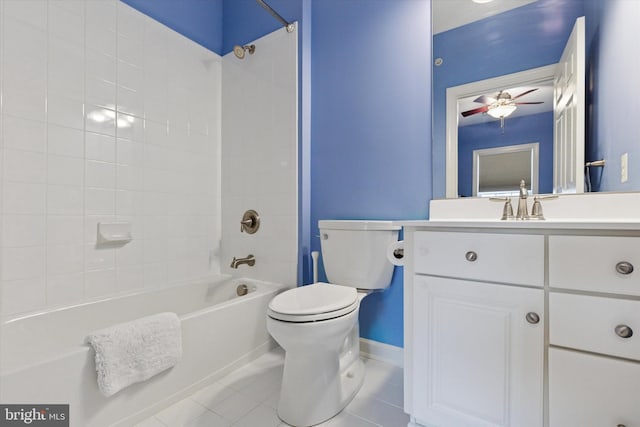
[52,364]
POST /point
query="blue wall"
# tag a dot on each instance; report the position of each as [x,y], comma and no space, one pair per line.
[518,130]
[613,109]
[526,37]
[371,126]
[198,20]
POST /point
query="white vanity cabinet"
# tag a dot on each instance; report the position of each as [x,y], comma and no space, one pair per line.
[478,323]
[522,325]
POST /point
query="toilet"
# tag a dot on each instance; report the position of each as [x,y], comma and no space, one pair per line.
[317,325]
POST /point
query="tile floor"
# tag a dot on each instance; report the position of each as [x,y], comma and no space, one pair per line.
[248,397]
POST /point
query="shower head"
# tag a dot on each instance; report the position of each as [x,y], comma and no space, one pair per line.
[240,51]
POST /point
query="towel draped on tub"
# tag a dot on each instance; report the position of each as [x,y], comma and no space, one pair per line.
[135,351]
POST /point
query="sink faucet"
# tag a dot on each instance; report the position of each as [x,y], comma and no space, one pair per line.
[249,260]
[522,202]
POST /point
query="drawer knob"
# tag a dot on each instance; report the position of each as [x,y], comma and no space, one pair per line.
[471,256]
[532,318]
[623,331]
[621,425]
[624,267]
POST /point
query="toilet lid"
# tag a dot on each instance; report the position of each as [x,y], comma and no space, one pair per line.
[319,298]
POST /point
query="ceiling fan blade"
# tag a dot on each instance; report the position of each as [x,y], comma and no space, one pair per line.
[525,103]
[484,99]
[482,109]
[524,93]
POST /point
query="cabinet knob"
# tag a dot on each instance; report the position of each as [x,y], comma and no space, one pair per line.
[624,267]
[471,256]
[532,318]
[621,425]
[623,331]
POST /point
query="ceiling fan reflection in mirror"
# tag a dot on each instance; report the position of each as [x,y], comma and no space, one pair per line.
[500,106]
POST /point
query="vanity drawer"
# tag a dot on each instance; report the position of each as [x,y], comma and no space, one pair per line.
[594,263]
[508,258]
[595,324]
[592,391]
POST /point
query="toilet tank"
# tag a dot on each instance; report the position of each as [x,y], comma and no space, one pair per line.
[354,252]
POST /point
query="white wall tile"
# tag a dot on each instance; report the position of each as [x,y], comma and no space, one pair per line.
[23,230]
[65,230]
[100,120]
[23,198]
[101,93]
[130,127]
[65,68]
[129,177]
[65,111]
[130,152]
[24,134]
[29,12]
[101,15]
[65,259]
[71,157]
[99,258]
[100,174]
[100,66]
[155,275]
[100,201]
[65,200]
[65,289]
[23,262]
[62,170]
[100,147]
[24,166]
[130,278]
[67,20]
[65,141]
[99,283]
[23,295]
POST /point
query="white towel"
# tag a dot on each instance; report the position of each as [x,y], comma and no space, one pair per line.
[135,351]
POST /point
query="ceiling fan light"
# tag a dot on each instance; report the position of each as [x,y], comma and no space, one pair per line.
[501,110]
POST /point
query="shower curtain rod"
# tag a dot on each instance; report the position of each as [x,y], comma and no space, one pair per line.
[287,25]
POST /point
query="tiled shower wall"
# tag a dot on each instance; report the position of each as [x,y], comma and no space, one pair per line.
[260,152]
[106,115]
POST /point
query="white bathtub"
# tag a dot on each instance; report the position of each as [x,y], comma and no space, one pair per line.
[44,358]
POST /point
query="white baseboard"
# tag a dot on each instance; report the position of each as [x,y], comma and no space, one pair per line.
[382,352]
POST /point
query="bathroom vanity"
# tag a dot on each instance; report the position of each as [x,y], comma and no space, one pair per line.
[522,323]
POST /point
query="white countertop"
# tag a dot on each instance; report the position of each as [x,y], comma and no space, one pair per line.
[563,224]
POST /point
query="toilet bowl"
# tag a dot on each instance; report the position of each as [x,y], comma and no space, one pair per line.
[317,325]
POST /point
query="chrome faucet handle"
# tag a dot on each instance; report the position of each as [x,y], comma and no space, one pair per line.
[507,210]
[536,209]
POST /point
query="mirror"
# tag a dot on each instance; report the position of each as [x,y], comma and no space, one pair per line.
[531,36]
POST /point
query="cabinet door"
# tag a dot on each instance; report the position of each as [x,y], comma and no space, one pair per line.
[477,359]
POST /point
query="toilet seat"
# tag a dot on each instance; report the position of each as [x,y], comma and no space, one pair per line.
[313,303]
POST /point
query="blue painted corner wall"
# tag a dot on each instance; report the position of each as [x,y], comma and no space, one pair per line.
[198,20]
[371,125]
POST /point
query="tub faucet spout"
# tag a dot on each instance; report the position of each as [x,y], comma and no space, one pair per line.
[250,260]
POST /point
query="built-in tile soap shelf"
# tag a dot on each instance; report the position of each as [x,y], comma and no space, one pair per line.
[114,232]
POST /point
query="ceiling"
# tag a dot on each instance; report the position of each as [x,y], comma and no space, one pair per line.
[448,14]
[543,92]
